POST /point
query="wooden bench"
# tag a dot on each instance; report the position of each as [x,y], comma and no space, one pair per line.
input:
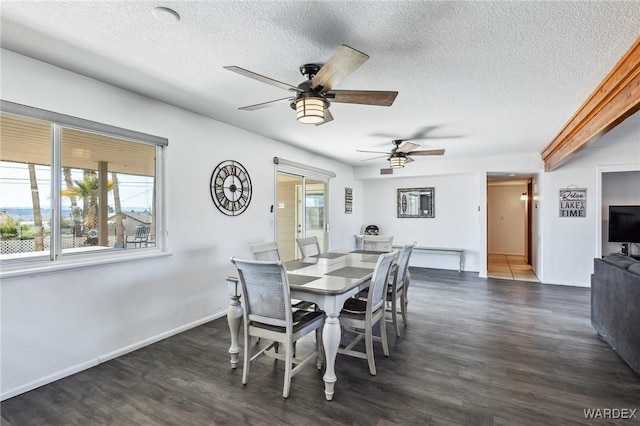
[445,250]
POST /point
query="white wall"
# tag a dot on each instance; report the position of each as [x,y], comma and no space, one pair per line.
[475,189]
[506,221]
[569,245]
[621,189]
[59,323]
[536,226]
[456,223]
[563,248]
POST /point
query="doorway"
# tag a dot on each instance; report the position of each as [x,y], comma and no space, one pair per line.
[300,212]
[509,223]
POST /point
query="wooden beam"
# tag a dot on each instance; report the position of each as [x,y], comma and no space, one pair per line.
[616,98]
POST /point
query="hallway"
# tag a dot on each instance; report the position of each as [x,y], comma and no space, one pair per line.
[509,267]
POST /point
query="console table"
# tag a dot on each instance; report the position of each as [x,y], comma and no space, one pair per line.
[446,250]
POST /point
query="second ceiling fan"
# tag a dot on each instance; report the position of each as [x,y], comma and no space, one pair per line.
[402,153]
[311,98]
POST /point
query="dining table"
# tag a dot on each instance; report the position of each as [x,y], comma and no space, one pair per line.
[328,280]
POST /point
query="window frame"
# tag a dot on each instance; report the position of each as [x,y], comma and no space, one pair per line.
[53,260]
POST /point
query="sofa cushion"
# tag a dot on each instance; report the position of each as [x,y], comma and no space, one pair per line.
[615,297]
[620,261]
[635,268]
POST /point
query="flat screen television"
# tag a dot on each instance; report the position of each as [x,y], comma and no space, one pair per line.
[624,224]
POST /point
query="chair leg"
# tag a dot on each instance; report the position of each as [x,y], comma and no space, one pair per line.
[383,336]
[394,316]
[403,306]
[247,357]
[368,340]
[287,369]
[319,348]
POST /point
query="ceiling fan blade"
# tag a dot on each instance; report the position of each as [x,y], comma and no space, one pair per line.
[262,105]
[421,133]
[374,158]
[345,61]
[262,78]
[409,159]
[363,97]
[418,135]
[374,152]
[427,152]
[407,146]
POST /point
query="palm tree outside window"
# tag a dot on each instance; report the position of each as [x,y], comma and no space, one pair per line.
[66,190]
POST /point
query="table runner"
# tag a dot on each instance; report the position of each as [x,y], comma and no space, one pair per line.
[295,279]
[294,264]
[368,252]
[329,255]
[350,272]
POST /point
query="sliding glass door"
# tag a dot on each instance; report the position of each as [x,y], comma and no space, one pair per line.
[300,212]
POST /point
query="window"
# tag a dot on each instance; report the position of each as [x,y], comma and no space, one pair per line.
[72,187]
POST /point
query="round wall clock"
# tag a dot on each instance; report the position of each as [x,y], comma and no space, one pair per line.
[231,188]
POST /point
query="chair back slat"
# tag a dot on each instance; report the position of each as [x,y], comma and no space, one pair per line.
[308,246]
[266,251]
[403,263]
[377,242]
[380,279]
[265,290]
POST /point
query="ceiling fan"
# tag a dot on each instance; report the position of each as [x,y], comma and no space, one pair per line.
[311,98]
[402,153]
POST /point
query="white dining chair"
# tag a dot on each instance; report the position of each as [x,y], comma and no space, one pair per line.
[268,315]
[309,246]
[265,251]
[377,242]
[271,251]
[398,287]
[359,316]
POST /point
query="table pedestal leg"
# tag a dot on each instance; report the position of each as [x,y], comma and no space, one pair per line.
[234,318]
[331,340]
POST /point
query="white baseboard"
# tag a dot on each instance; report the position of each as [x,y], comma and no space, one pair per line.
[106,357]
[585,285]
[49,379]
[153,339]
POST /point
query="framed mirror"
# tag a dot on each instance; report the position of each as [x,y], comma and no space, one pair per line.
[416,202]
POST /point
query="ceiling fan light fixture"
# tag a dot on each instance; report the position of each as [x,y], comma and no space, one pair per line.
[397,162]
[310,110]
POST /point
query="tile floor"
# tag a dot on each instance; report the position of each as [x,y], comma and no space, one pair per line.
[509,267]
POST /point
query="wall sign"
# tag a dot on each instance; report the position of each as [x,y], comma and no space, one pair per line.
[348,200]
[573,202]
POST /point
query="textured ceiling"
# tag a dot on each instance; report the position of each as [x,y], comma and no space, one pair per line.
[503,77]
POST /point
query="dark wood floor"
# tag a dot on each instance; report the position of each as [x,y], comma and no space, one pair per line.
[476,352]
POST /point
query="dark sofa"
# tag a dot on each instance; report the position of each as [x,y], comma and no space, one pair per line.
[615,305]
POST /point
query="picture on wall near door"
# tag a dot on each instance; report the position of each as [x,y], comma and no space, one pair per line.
[573,202]
[348,200]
